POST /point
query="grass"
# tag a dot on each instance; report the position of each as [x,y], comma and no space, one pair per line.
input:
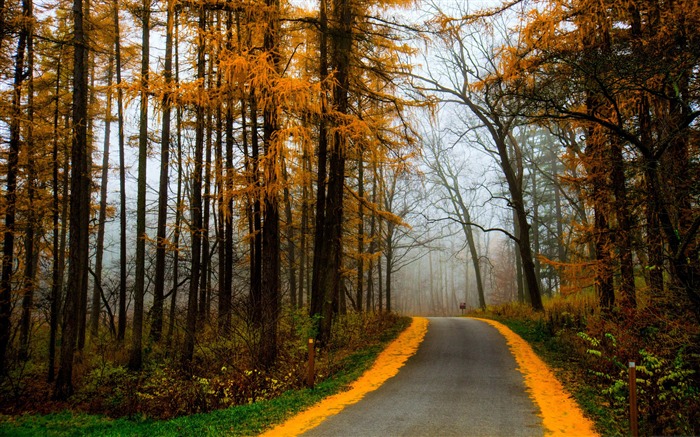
[555,352]
[552,336]
[241,420]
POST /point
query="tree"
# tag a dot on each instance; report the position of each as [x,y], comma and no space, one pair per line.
[136,357]
[99,249]
[8,247]
[625,67]
[447,178]
[121,323]
[79,207]
[196,203]
[163,197]
[473,81]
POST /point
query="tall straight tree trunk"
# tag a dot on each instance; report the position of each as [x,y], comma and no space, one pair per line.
[380,276]
[196,205]
[31,255]
[136,358]
[317,292]
[535,207]
[561,248]
[389,255]
[598,169]
[271,246]
[290,235]
[257,237]
[82,327]
[329,275]
[8,246]
[178,203]
[56,265]
[163,194]
[121,323]
[624,227]
[369,305]
[653,228]
[99,250]
[79,208]
[360,233]
[304,231]
[221,190]
[523,295]
[204,286]
[226,290]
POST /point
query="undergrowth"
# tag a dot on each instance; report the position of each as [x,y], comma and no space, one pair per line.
[589,350]
[220,397]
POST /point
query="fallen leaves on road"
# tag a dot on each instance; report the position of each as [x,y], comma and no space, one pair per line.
[387,365]
[560,413]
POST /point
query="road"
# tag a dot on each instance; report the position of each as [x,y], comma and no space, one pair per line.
[462,381]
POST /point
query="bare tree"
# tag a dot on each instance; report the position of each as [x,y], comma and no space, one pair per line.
[467,58]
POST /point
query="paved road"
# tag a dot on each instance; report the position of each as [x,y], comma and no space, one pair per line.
[462,382]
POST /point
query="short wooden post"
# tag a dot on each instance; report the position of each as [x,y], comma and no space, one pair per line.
[634,430]
[311,370]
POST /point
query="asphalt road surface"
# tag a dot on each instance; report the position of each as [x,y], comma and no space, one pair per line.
[462,381]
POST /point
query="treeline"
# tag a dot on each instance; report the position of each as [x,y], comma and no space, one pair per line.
[274,130]
[589,112]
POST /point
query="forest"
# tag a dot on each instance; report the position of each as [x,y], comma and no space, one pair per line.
[189,190]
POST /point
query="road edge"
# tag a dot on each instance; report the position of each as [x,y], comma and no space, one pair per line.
[561,415]
[387,365]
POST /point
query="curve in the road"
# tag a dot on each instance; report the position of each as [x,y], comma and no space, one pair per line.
[465,379]
[386,366]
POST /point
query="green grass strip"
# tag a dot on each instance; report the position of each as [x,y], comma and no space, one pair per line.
[243,420]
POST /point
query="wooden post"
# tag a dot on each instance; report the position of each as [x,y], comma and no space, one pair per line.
[311,370]
[633,400]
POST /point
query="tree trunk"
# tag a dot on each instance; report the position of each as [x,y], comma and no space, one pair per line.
[624,227]
[523,295]
[8,246]
[304,231]
[121,324]
[135,360]
[329,275]
[178,203]
[515,188]
[225,292]
[196,206]
[317,291]
[389,254]
[257,240]
[31,255]
[204,278]
[291,247]
[79,209]
[163,194]
[270,286]
[56,266]
[97,286]
[360,233]
[369,306]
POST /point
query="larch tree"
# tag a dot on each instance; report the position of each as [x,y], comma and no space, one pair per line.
[136,357]
[163,189]
[79,207]
[8,246]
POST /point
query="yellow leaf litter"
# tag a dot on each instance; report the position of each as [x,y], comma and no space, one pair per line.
[560,413]
[387,365]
